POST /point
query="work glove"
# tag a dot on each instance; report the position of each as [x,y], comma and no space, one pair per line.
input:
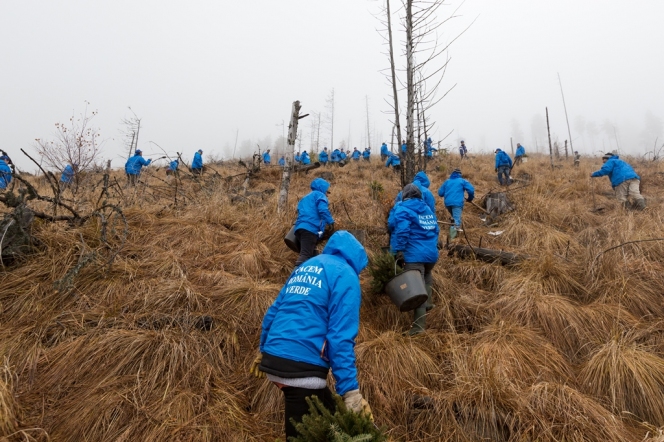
[399,258]
[354,401]
[469,199]
[254,370]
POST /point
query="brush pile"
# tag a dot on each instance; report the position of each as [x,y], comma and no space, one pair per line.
[155,344]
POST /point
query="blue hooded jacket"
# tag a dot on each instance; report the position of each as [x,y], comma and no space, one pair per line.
[393,160]
[298,157]
[343,155]
[422,182]
[313,213]
[316,316]
[384,150]
[336,156]
[356,154]
[366,154]
[323,156]
[520,151]
[135,164]
[266,158]
[67,174]
[305,158]
[453,190]
[414,228]
[617,170]
[502,159]
[198,161]
[5,174]
[282,161]
[173,165]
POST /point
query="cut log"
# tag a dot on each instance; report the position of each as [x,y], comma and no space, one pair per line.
[487,255]
[306,168]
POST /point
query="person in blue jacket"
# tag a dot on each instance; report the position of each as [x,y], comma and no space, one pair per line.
[323,157]
[366,155]
[311,327]
[520,152]
[414,239]
[343,155]
[624,180]
[428,148]
[282,161]
[422,182]
[266,157]
[384,152]
[335,157]
[503,167]
[298,158]
[197,164]
[394,161]
[67,177]
[404,147]
[134,165]
[313,219]
[463,150]
[453,191]
[304,158]
[173,167]
[356,154]
[5,172]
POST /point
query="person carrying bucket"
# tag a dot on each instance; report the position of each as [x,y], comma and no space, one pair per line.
[414,232]
[314,220]
[311,327]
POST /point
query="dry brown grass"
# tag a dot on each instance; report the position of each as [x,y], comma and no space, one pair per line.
[565,346]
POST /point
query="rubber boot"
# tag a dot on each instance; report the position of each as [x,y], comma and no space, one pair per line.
[428,305]
[419,321]
[640,204]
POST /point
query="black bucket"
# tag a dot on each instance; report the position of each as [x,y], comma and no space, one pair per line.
[407,290]
[291,240]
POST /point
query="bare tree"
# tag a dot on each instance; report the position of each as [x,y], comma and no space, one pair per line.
[74,142]
[330,108]
[132,129]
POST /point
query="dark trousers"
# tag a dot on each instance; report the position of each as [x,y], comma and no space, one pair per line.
[424,268]
[307,242]
[296,405]
[504,171]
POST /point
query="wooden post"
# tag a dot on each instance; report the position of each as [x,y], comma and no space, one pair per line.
[286,175]
[548,130]
[566,149]
[512,144]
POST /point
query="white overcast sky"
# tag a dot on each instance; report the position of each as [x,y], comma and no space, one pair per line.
[200,72]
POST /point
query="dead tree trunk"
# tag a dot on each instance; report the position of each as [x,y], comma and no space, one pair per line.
[566,157]
[410,86]
[285,177]
[548,130]
[397,124]
[487,255]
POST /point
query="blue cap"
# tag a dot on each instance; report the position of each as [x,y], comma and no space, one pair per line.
[138,152]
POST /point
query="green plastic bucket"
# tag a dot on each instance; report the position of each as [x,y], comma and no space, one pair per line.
[291,240]
[406,290]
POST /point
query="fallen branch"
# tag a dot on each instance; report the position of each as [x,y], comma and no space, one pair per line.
[621,245]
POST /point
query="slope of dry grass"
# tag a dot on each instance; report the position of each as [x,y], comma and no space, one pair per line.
[568,345]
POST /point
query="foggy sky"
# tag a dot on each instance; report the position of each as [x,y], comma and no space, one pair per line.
[200,72]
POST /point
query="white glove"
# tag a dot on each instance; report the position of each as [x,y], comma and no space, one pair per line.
[354,401]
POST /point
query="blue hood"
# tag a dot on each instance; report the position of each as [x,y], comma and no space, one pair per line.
[422,179]
[346,246]
[320,185]
[455,175]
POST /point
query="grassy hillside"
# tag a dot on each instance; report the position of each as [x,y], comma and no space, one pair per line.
[156,345]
